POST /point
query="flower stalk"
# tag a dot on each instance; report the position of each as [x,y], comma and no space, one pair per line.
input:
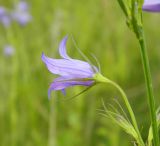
[100,78]
[134,122]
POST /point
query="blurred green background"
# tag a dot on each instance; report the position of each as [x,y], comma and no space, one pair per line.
[28,118]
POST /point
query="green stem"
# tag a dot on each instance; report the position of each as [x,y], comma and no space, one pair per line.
[101,79]
[151,100]
[129,110]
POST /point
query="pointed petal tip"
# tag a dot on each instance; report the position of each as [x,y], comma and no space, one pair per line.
[50,90]
[62,48]
[66,37]
[49,93]
[63,92]
[43,56]
[64,40]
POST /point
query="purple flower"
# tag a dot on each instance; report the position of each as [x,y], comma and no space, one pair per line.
[4,17]
[8,50]
[21,13]
[22,6]
[151,5]
[72,72]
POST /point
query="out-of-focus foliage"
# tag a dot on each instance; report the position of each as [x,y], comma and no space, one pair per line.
[28,118]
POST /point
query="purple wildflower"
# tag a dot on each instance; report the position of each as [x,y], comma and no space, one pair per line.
[8,50]
[22,6]
[21,13]
[4,17]
[72,72]
[151,5]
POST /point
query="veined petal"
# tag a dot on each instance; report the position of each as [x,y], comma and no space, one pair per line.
[63,54]
[61,83]
[70,78]
[66,67]
[62,48]
[151,5]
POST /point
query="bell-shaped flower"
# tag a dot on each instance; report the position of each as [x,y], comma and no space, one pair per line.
[8,50]
[4,17]
[72,72]
[151,5]
[21,13]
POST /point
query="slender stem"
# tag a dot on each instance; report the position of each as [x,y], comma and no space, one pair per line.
[129,110]
[148,79]
[99,78]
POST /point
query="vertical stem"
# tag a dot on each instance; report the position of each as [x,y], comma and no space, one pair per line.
[148,79]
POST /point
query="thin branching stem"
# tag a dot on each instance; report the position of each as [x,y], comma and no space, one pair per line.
[134,122]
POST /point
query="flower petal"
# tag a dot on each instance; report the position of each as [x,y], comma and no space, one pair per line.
[62,48]
[62,82]
[66,67]
[151,5]
[4,17]
[63,54]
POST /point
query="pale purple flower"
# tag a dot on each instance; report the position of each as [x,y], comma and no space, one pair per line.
[71,72]
[21,13]
[5,18]
[151,5]
[22,6]
[8,50]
